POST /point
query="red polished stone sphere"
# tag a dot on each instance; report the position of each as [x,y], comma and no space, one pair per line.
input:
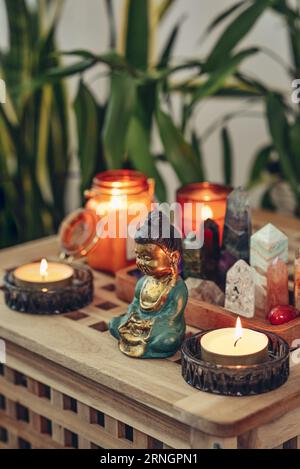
[282,315]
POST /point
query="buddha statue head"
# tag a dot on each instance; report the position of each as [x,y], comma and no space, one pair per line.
[158,246]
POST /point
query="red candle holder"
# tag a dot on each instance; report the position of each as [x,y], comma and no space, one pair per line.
[212,196]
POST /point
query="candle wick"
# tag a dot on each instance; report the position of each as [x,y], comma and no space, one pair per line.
[235,343]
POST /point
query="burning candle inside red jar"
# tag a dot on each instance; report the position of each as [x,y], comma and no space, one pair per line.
[213,198]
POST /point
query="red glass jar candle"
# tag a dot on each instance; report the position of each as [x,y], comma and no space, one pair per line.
[114,196]
[212,196]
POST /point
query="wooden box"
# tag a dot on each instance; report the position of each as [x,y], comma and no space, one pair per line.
[205,316]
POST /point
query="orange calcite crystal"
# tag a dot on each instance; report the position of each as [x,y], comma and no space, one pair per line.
[297,282]
[277,285]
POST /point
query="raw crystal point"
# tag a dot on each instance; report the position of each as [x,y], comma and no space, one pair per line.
[191,256]
[277,285]
[205,290]
[212,238]
[210,250]
[225,263]
[237,228]
[266,245]
[240,290]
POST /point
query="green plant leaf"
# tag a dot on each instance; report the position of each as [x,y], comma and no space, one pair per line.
[138,144]
[164,8]
[139,137]
[137,34]
[279,130]
[58,157]
[221,17]
[169,47]
[67,71]
[235,32]
[179,153]
[294,138]
[196,144]
[254,84]
[112,24]
[217,78]
[260,166]
[17,61]
[33,128]
[266,200]
[119,112]
[294,40]
[227,156]
[89,122]
[281,7]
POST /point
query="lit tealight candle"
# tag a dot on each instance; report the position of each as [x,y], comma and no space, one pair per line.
[234,346]
[44,275]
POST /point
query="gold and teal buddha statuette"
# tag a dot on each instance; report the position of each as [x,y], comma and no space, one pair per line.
[154,325]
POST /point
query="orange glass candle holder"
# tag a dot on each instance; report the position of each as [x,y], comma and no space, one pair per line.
[213,198]
[114,196]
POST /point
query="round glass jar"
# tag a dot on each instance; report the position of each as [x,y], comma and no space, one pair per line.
[100,231]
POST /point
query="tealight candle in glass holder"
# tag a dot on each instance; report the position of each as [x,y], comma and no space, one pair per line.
[234,346]
[43,275]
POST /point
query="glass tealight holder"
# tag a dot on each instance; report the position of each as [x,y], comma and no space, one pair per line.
[239,380]
[49,301]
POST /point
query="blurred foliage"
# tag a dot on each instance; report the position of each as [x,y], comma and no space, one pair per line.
[279,159]
[34,126]
[141,90]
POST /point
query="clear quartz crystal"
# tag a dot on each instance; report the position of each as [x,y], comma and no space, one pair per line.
[205,290]
[240,289]
[277,285]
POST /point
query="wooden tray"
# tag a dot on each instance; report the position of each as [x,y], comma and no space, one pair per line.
[206,316]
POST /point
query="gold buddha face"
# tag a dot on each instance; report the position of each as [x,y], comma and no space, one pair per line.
[152,260]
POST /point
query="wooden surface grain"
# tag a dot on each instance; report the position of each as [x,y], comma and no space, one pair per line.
[80,348]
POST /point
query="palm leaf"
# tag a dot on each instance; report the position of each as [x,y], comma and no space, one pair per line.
[163,8]
[119,112]
[139,137]
[169,47]
[89,123]
[178,152]
[227,156]
[217,78]
[260,166]
[196,144]
[279,130]
[221,17]
[137,30]
[235,32]
[16,62]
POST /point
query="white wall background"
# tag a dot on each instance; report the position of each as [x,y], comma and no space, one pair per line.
[84,25]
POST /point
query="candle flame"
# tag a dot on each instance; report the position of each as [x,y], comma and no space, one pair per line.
[238,333]
[44,268]
[207,212]
[116,203]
